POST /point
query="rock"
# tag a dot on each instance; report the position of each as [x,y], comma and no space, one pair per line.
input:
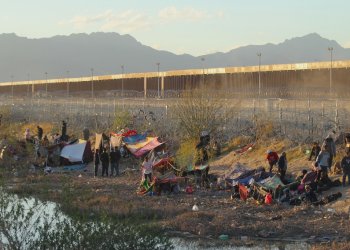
[264,233]
[223,237]
[244,238]
[277,217]
[195,208]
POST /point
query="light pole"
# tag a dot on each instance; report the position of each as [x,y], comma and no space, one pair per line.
[28,75]
[158,78]
[12,88]
[259,55]
[122,67]
[92,83]
[67,83]
[46,83]
[202,60]
[330,49]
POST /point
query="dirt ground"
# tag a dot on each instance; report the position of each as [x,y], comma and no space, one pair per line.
[243,222]
[217,213]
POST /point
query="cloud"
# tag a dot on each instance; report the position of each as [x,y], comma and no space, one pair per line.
[187,14]
[126,21]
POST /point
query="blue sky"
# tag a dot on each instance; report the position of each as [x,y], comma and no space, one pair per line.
[183,26]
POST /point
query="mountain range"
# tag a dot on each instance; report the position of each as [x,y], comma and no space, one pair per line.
[75,55]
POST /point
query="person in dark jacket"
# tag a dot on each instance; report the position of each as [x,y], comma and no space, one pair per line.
[97,161]
[64,131]
[316,149]
[345,165]
[40,132]
[282,165]
[105,162]
[114,157]
[310,196]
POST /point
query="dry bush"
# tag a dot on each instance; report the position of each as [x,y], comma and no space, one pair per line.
[199,110]
[185,155]
[264,129]
[122,119]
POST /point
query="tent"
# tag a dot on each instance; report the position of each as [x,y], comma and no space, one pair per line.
[79,152]
[141,148]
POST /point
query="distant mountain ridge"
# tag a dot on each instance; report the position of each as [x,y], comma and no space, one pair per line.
[25,58]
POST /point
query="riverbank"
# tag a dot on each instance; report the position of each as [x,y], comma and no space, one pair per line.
[79,193]
[245,223]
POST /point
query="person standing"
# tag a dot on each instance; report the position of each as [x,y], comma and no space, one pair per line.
[272,158]
[345,165]
[64,131]
[282,165]
[329,142]
[27,135]
[114,157]
[323,160]
[147,168]
[40,132]
[347,142]
[97,161]
[105,162]
[315,151]
[86,134]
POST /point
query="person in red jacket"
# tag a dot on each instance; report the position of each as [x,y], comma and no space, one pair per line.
[272,158]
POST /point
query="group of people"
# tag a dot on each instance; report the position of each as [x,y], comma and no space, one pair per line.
[43,140]
[111,158]
[281,161]
[323,157]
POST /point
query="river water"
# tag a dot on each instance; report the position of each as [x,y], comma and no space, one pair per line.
[50,211]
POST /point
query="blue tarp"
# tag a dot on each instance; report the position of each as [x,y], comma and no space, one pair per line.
[134,138]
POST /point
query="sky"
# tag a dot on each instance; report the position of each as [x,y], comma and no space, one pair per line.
[196,27]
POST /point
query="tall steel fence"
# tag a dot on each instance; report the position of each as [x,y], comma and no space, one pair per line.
[296,118]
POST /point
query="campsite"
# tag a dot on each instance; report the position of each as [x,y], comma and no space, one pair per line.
[220,196]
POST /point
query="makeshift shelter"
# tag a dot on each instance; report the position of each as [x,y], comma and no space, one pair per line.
[272,184]
[79,152]
[140,148]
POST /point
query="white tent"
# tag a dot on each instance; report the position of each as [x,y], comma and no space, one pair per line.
[74,152]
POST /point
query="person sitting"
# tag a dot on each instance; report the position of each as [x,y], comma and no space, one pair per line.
[301,176]
[310,196]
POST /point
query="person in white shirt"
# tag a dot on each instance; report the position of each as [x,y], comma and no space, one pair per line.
[147,168]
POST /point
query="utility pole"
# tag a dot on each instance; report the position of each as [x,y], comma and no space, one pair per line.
[67,83]
[122,67]
[46,83]
[92,83]
[259,55]
[158,78]
[330,49]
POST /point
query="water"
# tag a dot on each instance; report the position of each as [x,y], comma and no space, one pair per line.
[29,217]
